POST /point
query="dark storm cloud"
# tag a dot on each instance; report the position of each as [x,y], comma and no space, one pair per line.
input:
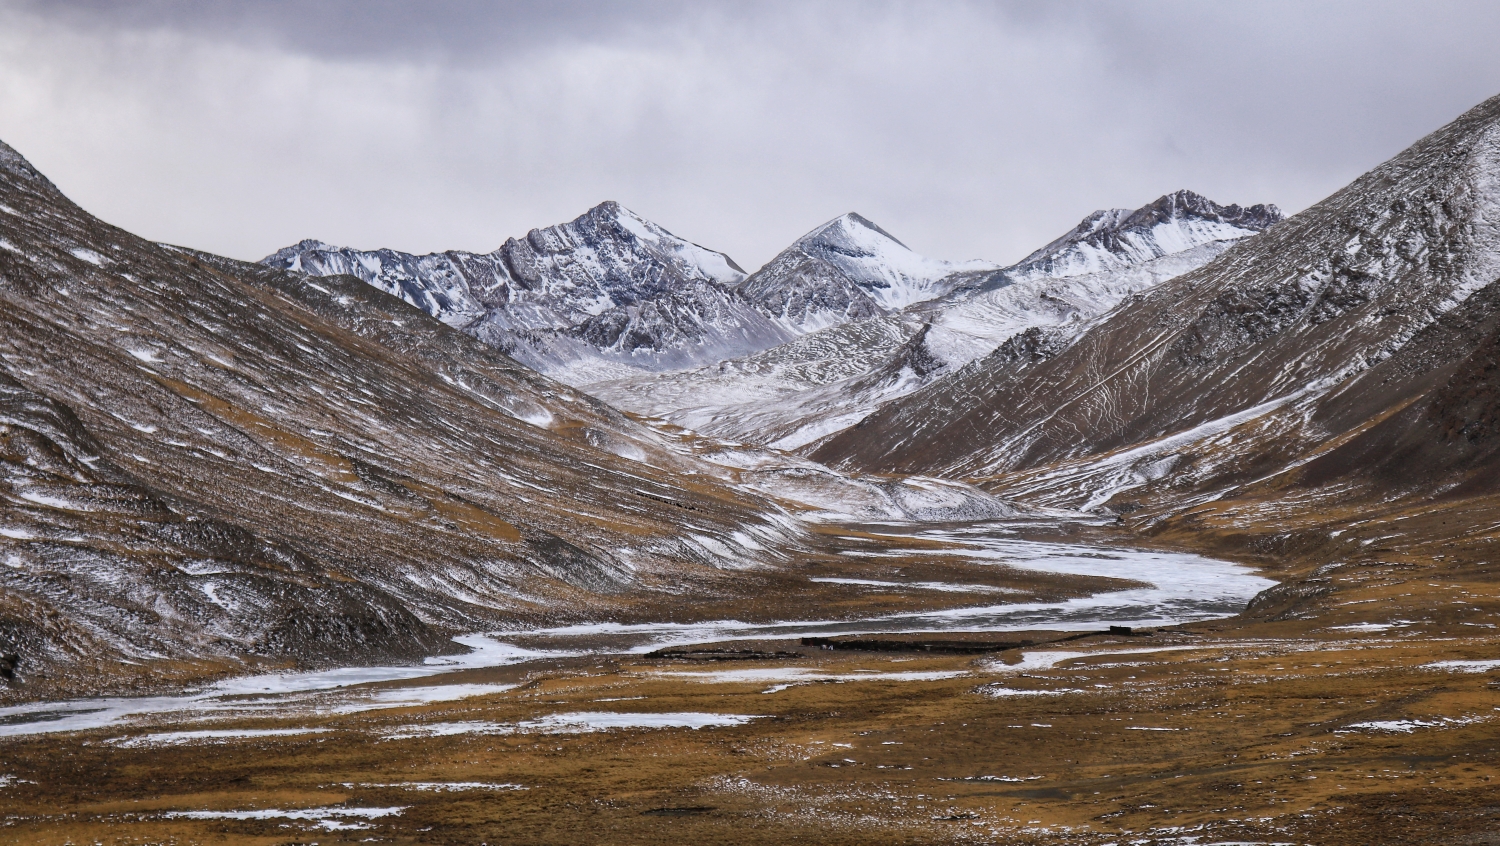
[968,129]
[430,30]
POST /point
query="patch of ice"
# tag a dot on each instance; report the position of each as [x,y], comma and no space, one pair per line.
[574,723]
[446,786]
[946,587]
[1483,666]
[1010,779]
[1048,660]
[1409,726]
[1002,692]
[403,697]
[806,674]
[332,819]
[587,721]
[448,729]
[174,738]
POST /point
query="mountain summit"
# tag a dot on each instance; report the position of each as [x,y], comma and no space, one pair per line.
[603,294]
[848,269]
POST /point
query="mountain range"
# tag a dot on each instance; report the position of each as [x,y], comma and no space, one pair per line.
[338,455]
[841,322]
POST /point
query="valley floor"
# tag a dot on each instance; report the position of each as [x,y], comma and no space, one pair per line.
[1371,721]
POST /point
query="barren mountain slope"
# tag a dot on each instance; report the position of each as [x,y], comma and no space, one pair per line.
[1274,323]
[201,458]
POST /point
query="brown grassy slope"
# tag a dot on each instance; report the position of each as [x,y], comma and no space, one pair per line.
[206,459]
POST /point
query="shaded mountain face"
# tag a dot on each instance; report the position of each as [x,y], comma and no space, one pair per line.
[849,269]
[1231,371]
[799,393]
[605,293]
[215,461]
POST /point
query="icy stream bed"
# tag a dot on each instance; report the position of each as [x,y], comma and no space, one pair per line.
[1182,588]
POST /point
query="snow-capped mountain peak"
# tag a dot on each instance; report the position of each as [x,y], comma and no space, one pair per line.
[605,293]
[1111,239]
[848,269]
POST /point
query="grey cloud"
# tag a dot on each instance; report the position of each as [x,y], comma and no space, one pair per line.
[967,129]
[432,30]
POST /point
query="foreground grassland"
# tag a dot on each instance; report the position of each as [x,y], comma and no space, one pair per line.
[1345,727]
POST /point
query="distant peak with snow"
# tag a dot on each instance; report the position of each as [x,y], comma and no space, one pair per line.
[604,292]
[848,269]
[848,228]
[1111,239]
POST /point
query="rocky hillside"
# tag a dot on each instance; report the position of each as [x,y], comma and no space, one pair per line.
[1349,336]
[220,462]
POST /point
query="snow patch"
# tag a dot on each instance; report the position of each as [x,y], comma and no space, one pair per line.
[175,738]
[87,255]
[331,819]
[1483,666]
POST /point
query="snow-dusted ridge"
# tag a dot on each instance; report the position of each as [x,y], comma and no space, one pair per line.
[607,293]
[1112,239]
[845,275]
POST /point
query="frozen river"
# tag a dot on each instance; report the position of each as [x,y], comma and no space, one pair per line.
[1182,588]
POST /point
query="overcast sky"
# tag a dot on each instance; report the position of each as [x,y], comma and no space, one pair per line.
[966,129]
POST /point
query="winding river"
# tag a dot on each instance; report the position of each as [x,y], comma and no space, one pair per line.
[1182,588]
